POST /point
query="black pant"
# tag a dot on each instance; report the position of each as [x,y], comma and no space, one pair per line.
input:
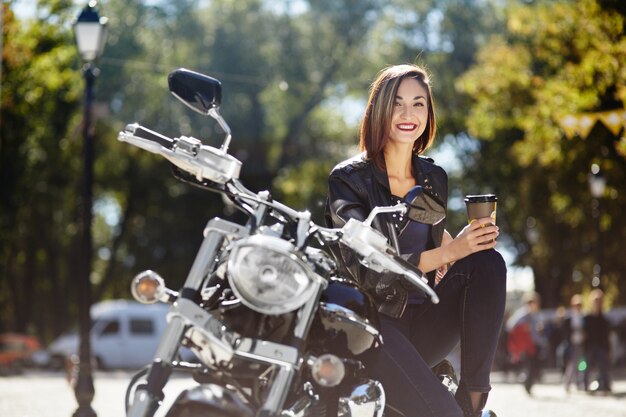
[471,311]
[532,370]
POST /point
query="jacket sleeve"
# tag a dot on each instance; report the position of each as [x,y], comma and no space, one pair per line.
[348,199]
[345,201]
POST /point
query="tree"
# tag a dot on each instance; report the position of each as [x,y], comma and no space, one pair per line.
[40,93]
[556,58]
[138,207]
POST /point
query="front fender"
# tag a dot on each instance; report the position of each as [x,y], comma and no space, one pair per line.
[209,400]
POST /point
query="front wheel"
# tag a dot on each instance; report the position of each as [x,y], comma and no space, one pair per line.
[209,400]
[194,410]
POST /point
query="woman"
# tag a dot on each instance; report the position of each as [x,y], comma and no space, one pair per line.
[466,272]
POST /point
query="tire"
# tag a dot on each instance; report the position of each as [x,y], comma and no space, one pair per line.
[195,410]
[209,400]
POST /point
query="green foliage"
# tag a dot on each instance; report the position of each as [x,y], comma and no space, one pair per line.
[556,58]
[142,216]
[289,70]
[304,187]
[39,170]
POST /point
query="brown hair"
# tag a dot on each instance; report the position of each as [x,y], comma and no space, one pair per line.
[376,120]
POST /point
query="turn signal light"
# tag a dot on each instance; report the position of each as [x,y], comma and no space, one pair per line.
[148,287]
[328,370]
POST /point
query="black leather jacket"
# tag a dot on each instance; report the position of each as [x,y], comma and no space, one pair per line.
[355,187]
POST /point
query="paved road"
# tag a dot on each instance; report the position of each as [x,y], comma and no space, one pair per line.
[549,399]
[47,394]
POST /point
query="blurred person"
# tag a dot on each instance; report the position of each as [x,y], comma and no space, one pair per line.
[574,338]
[619,354]
[503,361]
[555,333]
[596,330]
[526,341]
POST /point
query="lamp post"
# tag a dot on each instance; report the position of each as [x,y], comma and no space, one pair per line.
[597,185]
[90,32]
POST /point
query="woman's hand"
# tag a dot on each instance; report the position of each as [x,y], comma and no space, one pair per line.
[479,235]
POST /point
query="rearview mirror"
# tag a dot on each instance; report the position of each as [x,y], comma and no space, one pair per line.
[424,207]
[199,92]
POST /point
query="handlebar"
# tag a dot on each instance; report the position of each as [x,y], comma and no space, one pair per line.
[147,134]
[145,139]
[374,253]
[209,163]
[189,154]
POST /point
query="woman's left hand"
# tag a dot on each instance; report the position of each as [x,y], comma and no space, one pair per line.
[479,235]
[480,232]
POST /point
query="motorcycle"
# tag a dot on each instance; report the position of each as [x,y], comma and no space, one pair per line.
[276,330]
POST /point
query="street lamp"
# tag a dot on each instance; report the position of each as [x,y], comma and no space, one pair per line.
[597,185]
[90,32]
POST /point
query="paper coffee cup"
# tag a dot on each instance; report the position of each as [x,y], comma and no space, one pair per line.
[482,205]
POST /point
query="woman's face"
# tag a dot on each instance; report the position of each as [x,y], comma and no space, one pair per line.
[410,112]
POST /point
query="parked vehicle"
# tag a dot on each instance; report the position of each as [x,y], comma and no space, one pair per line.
[124,334]
[276,329]
[16,352]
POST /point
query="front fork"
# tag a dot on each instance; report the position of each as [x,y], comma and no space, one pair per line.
[281,384]
[148,397]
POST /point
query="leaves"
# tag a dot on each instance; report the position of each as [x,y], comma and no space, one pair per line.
[289,70]
[556,58]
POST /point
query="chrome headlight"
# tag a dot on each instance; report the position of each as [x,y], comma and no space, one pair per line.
[267,276]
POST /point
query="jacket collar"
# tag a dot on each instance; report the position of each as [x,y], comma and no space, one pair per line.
[421,170]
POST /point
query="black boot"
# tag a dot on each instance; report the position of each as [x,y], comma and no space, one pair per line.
[462,398]
[446,374]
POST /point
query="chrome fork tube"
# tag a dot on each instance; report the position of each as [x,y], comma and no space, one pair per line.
[306,314]
[281,384]
[147,400]
[205,259]
[278,392]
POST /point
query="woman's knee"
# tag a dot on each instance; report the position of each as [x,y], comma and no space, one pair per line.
[488,262]
[488,270]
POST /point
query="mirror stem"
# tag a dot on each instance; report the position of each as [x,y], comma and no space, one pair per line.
[214,113]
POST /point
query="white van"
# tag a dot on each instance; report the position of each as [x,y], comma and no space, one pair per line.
[124,334]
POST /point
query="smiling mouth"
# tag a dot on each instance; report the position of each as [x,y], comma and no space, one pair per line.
[406,127]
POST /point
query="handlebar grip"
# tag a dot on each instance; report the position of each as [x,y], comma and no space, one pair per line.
[147,134]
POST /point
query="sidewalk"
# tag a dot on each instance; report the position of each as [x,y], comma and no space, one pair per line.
[509,399]
[47,394]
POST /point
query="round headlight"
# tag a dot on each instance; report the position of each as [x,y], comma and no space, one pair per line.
[266,275]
